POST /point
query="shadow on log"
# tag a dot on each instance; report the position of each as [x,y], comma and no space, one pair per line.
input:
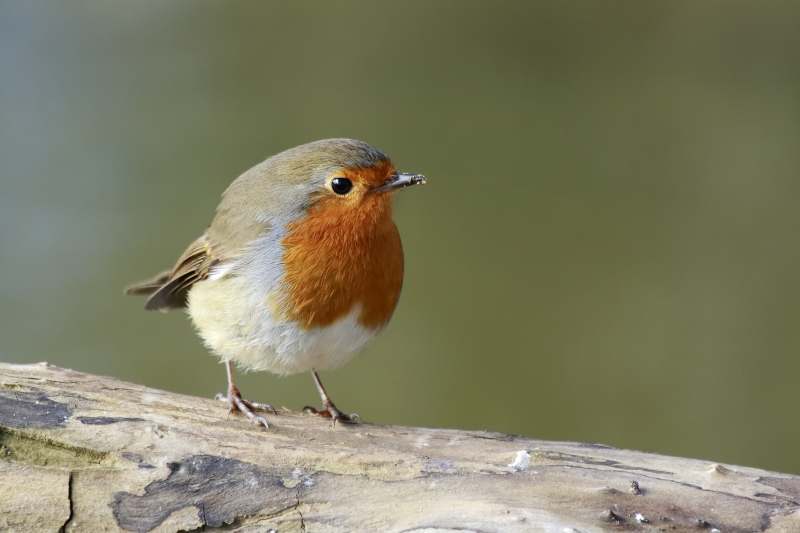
[87,453]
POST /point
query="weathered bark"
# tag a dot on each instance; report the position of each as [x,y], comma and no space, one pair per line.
[87,453]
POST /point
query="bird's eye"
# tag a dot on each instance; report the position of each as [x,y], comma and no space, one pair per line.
[341,185]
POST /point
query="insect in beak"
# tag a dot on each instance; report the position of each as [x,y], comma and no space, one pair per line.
[400,181]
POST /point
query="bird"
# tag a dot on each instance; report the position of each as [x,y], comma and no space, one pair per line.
[301,267]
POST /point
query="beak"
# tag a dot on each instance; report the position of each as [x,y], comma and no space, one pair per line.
[400,181]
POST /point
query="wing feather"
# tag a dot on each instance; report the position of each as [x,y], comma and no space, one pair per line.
[168,290]
[233,227]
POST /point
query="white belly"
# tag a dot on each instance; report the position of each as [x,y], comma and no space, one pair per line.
[236,323]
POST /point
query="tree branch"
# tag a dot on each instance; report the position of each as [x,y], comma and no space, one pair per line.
[87,453]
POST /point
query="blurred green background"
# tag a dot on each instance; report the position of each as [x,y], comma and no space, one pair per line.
[608,249]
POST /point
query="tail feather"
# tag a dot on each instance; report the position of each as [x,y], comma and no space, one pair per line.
[169,289]
[148,286]
[164,291]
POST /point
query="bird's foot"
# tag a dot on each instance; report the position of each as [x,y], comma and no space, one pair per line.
[330,411]
[237,403]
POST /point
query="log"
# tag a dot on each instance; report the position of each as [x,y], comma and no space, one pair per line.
[87,453]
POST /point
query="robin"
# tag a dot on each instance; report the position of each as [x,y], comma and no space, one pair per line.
[301,268]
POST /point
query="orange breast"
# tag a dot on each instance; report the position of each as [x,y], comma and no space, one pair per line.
[340,256]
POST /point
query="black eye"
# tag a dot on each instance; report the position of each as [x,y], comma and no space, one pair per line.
[341,185]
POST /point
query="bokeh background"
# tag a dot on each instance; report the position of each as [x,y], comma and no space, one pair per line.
[608,249]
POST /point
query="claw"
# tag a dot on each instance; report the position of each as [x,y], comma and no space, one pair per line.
[262,406]
[246,407]
[330,411]
[237,403]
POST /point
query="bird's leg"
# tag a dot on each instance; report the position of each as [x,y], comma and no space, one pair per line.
[237,403]
[328,409]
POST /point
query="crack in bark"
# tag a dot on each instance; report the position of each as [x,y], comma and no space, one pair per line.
[677,482]
[63,528]
[297,508]
[583,460]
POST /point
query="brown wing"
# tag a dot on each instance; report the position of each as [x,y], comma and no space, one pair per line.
[168,290]
[234,225]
